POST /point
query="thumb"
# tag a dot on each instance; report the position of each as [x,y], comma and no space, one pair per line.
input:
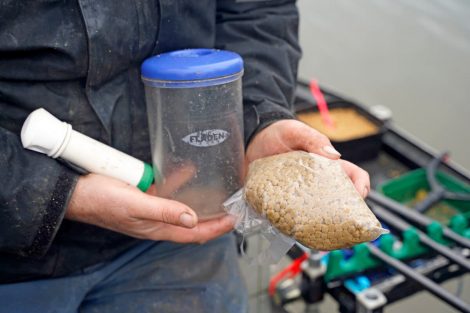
[164,210]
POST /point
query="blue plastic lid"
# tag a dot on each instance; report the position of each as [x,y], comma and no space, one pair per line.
[192,68]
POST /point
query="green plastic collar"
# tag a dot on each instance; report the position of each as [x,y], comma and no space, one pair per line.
[147,178]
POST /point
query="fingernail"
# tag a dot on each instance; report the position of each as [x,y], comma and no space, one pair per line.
[187,220]
[331,150]
[365,192]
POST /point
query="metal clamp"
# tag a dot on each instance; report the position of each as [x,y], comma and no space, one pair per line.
[370,300]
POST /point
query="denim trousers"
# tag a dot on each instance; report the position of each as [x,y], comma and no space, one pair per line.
[150,277]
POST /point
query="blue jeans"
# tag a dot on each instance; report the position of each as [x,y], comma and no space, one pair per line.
[151,277]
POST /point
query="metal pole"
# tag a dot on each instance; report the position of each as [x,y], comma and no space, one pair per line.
[427,283]
[398,223]
[415,217]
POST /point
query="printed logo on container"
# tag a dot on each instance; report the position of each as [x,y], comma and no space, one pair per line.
[206,138]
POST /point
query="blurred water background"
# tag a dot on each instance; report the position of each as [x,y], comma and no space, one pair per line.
[412,56]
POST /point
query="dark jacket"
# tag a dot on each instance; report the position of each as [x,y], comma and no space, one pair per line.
[80,61]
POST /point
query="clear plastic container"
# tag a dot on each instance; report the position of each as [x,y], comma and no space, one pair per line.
[194,106]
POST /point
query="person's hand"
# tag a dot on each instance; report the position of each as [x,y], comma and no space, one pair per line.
[114,205]
[288,135]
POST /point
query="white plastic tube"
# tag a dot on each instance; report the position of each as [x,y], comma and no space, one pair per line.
[44,133]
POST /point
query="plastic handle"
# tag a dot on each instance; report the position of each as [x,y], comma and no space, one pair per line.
[44,133]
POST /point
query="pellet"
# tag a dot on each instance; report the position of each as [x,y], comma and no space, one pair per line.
[310,198]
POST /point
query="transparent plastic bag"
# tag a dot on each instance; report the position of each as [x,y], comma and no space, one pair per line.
[306,197]
[249,222]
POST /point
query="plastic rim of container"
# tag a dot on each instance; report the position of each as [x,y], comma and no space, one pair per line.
[192,68]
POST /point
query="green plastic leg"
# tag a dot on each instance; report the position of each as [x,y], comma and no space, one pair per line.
[459,224]
[386,243]
[410,247]
[360,261]
[335,265]
[466,233]
[434,231]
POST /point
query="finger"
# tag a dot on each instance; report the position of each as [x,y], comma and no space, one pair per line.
[203,232]
[303,137]
[152,190]
[177,179]
[358,176]
[163,210]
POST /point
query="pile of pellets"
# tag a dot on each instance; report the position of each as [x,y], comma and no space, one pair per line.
[310,198]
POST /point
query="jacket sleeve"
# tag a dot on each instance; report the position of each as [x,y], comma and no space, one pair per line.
[34,193]
[265,34]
